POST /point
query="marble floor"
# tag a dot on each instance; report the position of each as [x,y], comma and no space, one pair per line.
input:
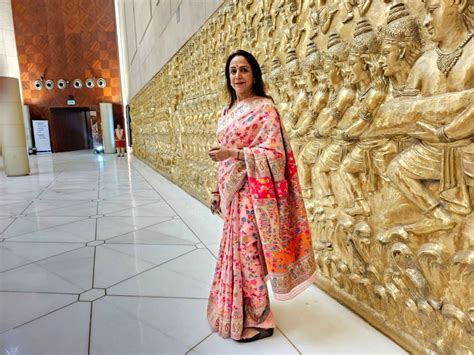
[102,255]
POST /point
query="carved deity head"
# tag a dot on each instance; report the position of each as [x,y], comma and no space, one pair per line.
[276,75]
[293,67]
[444,16]
[401,40]
[311,64]
[336,55]
[365,48]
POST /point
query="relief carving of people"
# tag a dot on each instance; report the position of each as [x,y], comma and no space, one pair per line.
[444,152]
[378,105]
[317,86]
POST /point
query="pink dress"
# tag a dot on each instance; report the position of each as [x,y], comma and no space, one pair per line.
[266,233]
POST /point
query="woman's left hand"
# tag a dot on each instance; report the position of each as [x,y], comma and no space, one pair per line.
[220,153]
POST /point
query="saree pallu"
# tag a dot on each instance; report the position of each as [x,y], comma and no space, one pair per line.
[266,233]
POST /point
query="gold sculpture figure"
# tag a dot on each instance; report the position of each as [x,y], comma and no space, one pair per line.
[449,67]
[401,47]
[300,76]
[362,5]
[317,86]
[368,154]
[339,103]
[290,107]
[385,140]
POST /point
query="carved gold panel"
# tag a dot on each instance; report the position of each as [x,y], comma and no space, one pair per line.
[377,99]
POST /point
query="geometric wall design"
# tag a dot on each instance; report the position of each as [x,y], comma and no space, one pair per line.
[62,39]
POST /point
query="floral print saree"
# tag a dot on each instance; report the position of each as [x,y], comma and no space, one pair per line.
[266,232]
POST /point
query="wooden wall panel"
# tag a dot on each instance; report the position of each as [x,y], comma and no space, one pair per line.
[63,39]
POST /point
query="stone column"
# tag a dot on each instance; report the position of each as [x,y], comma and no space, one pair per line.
[27,123]
[12,129]
[107,124]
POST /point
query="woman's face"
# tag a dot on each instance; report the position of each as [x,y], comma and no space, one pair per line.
[241,76]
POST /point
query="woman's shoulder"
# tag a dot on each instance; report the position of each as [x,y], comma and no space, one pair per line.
[265,104]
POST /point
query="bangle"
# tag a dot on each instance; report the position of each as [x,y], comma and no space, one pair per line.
[442,135]
[238,154]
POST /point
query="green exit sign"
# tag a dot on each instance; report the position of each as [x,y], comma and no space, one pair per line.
[71,102]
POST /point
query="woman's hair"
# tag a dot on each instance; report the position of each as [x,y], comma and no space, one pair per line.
[258,87]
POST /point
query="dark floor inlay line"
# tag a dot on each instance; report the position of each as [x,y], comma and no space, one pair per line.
[176,212]
[154,267]
[159,297]
[35,319]
[40,260]
[288,339]
[43,292]
[50,227]
[57,208]
[136,230]
[155,244]
[195,346]
[129,208]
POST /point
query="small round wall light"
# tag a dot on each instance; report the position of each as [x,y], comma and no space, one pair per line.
[77,83]
[101,83]
[49,84]
[90,83]
[62,84]
[38,84]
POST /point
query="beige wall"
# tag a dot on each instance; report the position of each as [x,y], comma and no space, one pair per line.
[8,54]
[152,31]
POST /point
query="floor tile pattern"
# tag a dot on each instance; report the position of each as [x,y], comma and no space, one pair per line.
[102,255]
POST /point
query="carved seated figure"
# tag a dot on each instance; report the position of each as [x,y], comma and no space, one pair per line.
[295,103]
[364,47]
[400,49]
[318,90]
[341,97]
[444,153]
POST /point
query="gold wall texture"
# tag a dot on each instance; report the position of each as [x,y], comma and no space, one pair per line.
[377,98]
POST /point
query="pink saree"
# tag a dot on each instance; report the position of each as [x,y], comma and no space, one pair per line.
[266,233]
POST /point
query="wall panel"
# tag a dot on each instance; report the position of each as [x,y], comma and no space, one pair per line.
[60,39]
[380,120]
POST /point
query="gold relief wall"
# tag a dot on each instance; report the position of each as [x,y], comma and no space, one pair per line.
[377,98]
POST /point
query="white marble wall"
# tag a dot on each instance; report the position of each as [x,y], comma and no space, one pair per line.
[153,31]
[8,54]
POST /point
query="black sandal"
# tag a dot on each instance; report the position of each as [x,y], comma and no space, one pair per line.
[264,333]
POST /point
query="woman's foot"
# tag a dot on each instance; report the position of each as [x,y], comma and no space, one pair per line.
[264,333]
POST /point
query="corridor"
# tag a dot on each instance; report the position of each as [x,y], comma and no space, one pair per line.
[102,255]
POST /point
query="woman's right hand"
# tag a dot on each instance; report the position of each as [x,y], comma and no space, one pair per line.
[216,204]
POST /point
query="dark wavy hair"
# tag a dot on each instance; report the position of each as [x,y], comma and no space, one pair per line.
[258,87]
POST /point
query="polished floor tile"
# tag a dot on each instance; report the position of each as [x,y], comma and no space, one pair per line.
[23,225]
[189,275]
[64,332]
[82,231]
[277,344]
[13,255]
[103,256]
[147,325]
[109,226]
[172,231]
[20,308]
[115,263]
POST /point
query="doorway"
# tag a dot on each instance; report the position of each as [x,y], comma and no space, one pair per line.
[70,129]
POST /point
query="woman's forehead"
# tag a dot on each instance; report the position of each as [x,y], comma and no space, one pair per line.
[239,61]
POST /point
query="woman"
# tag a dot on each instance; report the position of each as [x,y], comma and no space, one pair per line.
[266,233]
[119,136]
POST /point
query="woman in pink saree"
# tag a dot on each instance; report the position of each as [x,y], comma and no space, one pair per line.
[266,233]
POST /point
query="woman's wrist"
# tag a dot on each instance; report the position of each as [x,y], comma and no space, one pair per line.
[239,154]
